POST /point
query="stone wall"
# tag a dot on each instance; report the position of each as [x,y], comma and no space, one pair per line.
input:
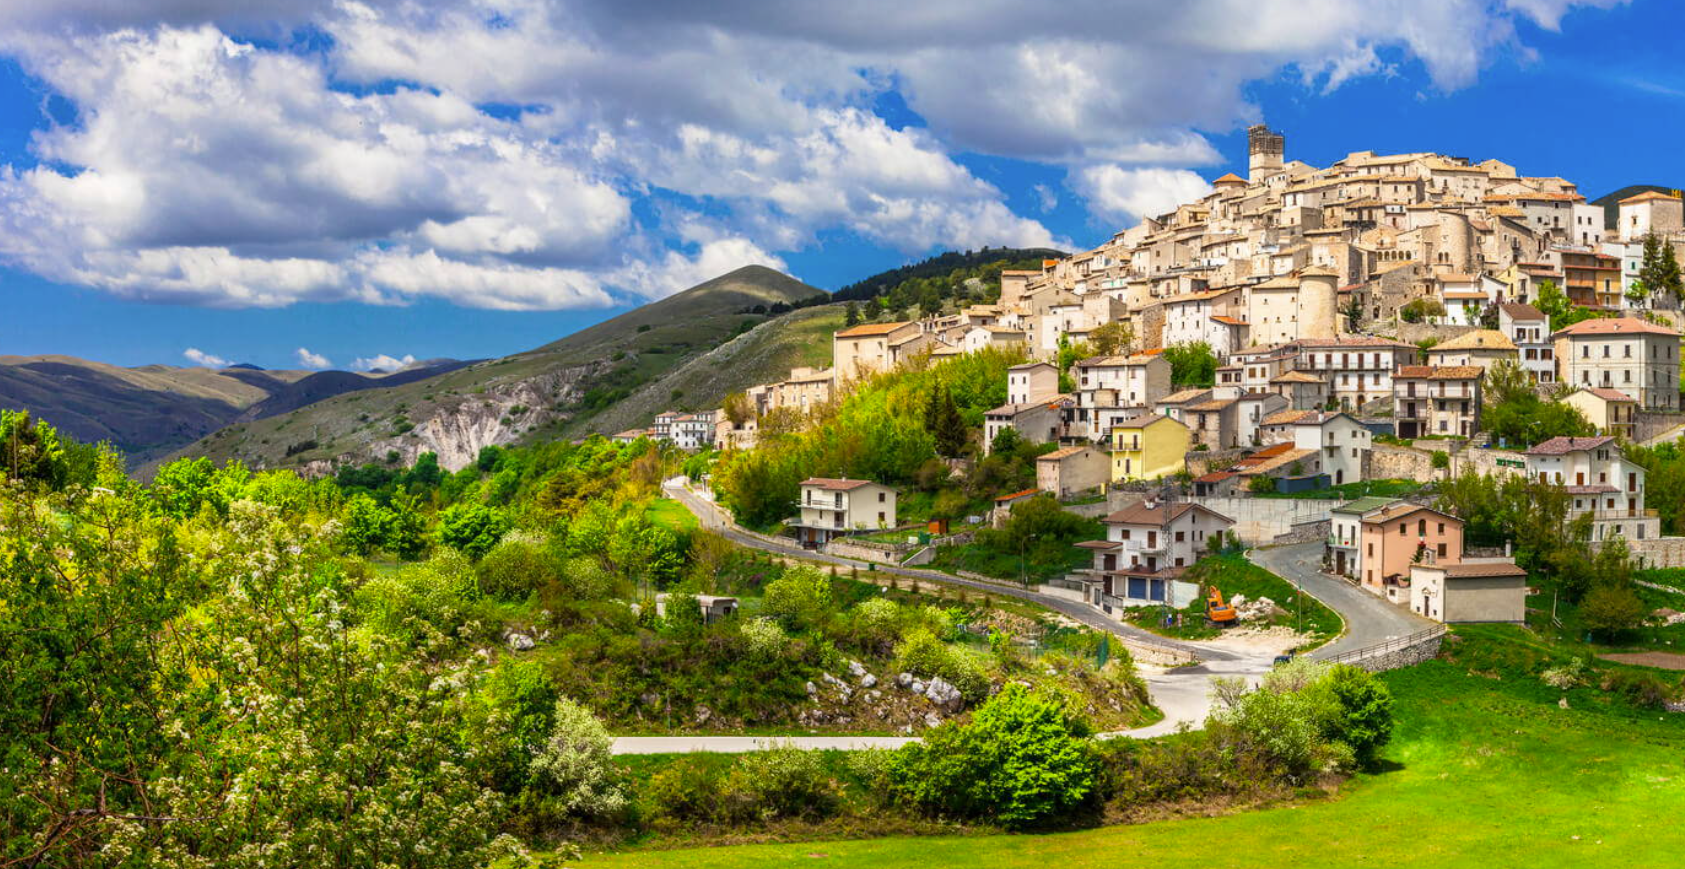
[1411,333]
[1648,424]
[1258,521]
[1388,462]
[1311,531]
[1658,552]
[1202,462]
[1392,657]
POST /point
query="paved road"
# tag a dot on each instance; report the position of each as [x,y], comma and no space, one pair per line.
[1369,619]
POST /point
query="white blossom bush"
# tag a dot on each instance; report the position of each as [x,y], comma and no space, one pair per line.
[575,765]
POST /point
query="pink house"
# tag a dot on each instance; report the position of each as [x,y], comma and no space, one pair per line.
[1392,538]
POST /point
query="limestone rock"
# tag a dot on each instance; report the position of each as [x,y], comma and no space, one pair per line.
[905,680]
[868,680]
[519,642]
[944,694]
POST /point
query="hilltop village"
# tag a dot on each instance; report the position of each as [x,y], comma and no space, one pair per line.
[1358,322]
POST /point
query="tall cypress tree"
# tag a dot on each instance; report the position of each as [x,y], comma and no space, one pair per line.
[949,428]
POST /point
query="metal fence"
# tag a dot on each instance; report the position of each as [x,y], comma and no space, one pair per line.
[1392,645]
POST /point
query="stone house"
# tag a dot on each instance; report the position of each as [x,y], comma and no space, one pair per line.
[1212,423]
[1340,440]
[1611,410]
[1358,369]
[1430,400]
[1302,390]
[1037,422]
[1472,590]
[874,348]
[1072,470]
[1480,348]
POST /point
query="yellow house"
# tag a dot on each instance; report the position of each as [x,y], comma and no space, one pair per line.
[1148,447]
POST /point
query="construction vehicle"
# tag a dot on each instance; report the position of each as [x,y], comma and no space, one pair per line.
[1217,611]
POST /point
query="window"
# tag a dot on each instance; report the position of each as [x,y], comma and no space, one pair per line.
[880,497]
[1401,531]
[1441,550]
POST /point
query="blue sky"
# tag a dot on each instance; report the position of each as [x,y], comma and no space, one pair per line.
[355,183]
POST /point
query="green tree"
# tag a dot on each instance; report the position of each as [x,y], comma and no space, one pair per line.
[181,486]
[471,529]
[1112,339]
[1365,711]
[1006,442]
[1192,364]
[30,450]
[799,600]
[1610,610]
[405,528]
[851,315]
[945,424]
[1353,312]
[1421,310]
[364,524]
[1023,760]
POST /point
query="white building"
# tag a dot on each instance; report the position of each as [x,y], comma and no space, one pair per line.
[1634,356]
[1341,441]
[1148,544]
[831,508]
[1529,330]
[1601,482]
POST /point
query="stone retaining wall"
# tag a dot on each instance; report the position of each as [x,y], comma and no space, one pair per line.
[1423,650]
[1311,531]
[1658,551]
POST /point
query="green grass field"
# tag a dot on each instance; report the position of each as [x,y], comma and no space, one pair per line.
[670,514]
[1481,773]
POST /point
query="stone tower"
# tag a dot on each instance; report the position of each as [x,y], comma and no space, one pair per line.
[1264,148]
[1319,314]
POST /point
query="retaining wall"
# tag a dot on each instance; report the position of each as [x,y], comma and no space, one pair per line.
[1259,521]
[1394,657]
[1658,551]
[1307,532]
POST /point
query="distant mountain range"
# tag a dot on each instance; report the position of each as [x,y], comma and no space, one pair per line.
[563,389]
[152,410]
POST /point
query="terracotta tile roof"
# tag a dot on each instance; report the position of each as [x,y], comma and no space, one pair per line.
[1616,326]
[1017,495]
[1481,339]
[1215,477]
[1440,372]
[1353,341]
[1402,509]
[1296,377]
[1183,396]
[1519,311]
[1285,417]
[1160,514]
[1561,446]
[1230,178]
[1061,453]
[1649,196]
[834,485]
[1217,404]
[1608,394]
[1230,321]
[1478,569]
[1028,365]
[1601,489]
[871,329]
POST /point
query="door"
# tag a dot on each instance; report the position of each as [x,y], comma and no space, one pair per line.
[1340,563]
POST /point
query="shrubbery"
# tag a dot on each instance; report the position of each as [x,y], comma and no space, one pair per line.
[1023,760]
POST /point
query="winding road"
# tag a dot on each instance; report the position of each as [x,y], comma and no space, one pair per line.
[1183,694]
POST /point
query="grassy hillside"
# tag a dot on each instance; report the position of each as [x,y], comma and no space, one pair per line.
[939,266]
[1479,775]
[554,390]
[762,355]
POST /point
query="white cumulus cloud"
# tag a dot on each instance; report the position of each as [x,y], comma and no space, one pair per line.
[211,156]
[203,359]
[382,362]
[1123,195]
[313,361]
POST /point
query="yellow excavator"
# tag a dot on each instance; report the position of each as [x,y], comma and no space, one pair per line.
[1217,611]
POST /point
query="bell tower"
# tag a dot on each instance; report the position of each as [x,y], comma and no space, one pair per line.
[1264,148]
